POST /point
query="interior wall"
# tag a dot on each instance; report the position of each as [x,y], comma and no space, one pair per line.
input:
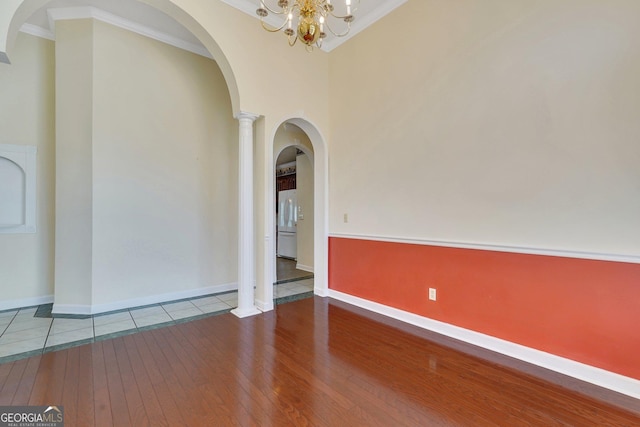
[238,42]
[509,125]
[304,182]
[582,310]
[27,118]
[74,162]
[165,170]
[503,122]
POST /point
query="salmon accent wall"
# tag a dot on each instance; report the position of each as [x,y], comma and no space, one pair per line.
[584,310]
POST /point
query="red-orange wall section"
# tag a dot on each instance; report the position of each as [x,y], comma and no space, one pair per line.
[583,310]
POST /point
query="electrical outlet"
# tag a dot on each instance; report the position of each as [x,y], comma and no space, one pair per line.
[432,294]
[346,218]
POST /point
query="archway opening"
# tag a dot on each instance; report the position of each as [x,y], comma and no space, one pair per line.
[294,202]
[312,144]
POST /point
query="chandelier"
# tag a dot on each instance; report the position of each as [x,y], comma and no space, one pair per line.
[311,19]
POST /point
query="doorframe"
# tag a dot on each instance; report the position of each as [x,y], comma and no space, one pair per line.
[320,208]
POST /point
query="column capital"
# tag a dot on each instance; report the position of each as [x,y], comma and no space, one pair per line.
[243,115]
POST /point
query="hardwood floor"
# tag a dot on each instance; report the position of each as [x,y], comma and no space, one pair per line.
[310,362]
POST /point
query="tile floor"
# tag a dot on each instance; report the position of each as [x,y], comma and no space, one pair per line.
[23,335]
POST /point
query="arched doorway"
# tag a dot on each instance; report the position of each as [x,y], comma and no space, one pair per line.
[294,203]
[317,152]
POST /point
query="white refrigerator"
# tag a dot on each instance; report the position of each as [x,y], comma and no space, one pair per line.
[287,223]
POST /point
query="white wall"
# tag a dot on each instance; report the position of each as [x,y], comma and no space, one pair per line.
[506,122]
[26,118]
[165,170]
[304,185]
[251,60]
[74,162]
[147,171]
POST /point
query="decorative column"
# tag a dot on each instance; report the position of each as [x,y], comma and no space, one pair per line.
[246,245]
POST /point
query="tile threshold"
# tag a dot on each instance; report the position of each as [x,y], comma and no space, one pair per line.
[44,311]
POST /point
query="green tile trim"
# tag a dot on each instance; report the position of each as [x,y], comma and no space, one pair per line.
[116,334]
[64,346]
[44,311]
[156,326]
[67,345]
[14,357]
[290,298]
[71,316]
[295,279]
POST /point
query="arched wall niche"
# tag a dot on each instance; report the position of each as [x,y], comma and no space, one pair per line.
[17,189]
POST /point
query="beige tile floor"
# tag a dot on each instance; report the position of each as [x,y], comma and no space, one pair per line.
[23,335]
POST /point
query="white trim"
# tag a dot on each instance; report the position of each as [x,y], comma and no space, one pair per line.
[634,259]
[304,267]
[246,226]
[264,306]
[139,302]
[75,309]
[36,31]
[321,292]
[591,374]
[320,206]
[25,302]
[359,24]
[89,12]
[248,312]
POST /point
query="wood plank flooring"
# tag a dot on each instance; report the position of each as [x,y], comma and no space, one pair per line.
[310,362]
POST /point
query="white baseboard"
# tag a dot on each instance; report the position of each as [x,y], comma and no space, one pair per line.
[264,306]
[76,309]
[304,268]
[591,374]
[138,302]
[25,302]
[321,292]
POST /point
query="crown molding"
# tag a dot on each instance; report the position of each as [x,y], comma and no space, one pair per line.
[89,12]
[359,24]
[36,31]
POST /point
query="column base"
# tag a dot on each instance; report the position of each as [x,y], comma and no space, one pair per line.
[246,312]
[264,306]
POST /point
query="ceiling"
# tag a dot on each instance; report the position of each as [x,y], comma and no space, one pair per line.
[131,13]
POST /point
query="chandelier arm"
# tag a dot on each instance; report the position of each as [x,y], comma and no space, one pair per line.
[328,27]
[295,39]
[353,11]
[275,12]
[273,29]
